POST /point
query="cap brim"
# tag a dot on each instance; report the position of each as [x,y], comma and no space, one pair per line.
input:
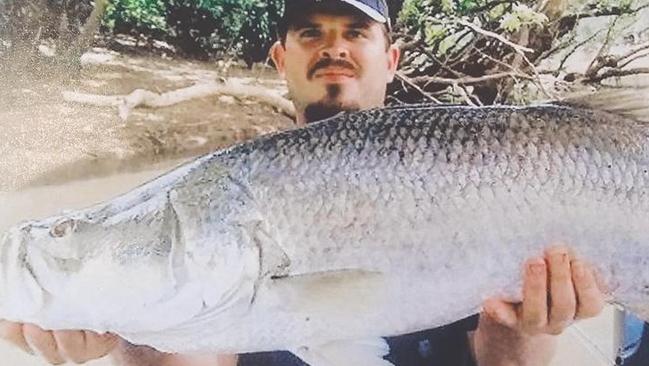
[372,13]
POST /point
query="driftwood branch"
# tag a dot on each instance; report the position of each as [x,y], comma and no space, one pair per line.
[146,98]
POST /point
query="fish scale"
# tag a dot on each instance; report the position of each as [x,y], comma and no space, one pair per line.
[365,225]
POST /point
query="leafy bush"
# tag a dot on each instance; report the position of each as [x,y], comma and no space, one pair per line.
[201,28]
[145,17]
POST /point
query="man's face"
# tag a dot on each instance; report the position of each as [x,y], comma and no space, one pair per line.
[333,63]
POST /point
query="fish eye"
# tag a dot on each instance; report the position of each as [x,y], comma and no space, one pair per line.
[63,228]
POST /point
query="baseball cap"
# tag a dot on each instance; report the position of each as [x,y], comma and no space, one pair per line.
[375,9]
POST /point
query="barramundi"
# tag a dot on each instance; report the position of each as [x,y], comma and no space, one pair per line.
[321,240]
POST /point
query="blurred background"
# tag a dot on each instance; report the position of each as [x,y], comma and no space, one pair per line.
[99,96]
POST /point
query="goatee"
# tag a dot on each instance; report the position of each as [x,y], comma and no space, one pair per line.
[328,107]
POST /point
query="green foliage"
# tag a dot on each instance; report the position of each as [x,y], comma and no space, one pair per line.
[257,31]
[201,27]
[522,15]
[145,16]
[248,25]
[437,20]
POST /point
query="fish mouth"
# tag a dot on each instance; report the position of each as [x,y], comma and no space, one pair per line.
[8,242]
[20,292]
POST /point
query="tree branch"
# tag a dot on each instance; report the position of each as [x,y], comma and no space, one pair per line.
[611,73]
[489,34]
[469,80]
[414,85]
[598,62]
[574,49]
[633,55]
[636,57]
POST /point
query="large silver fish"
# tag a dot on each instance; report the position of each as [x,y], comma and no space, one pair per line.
[323,239]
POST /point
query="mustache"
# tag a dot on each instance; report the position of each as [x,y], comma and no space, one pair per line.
[329,62]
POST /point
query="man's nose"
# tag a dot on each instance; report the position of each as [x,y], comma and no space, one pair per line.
[334,47]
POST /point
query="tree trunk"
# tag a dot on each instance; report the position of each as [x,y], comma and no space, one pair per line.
[74,45]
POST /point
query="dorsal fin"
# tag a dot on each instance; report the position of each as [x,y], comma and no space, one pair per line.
[628,102]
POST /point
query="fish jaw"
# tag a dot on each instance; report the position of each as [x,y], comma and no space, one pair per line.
[21,296]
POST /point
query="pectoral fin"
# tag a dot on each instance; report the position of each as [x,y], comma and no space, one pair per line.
[351,292]
[366,352]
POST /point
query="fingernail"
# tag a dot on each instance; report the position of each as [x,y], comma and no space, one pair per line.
[559,255]
[537,268]
[558,251]
[565,258]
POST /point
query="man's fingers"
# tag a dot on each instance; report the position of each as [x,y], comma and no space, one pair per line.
[59,346]
[43,343]
[535,298]
[83,346]
[590,300]
[13,333]
[99,345]
[71,345]
[563,302]
[502,312]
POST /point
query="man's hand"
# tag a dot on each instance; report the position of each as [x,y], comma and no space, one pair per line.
[58,347]
[557,290]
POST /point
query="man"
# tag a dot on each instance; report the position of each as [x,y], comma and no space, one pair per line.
[337,55]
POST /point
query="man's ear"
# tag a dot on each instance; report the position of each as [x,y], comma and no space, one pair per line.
[277,54]
[394,54]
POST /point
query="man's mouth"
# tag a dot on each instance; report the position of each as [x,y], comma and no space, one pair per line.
[334,74]
[332,69]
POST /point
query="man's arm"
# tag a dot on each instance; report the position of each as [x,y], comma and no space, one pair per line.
[557,290]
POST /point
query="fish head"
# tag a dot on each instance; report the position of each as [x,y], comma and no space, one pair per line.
[67,251]
[33,256]
[114,262]
[60,237]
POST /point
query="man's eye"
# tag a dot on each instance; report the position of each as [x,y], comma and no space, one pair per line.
[354,34]
[310,33]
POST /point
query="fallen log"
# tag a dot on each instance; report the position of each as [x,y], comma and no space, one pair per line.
[148,99]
